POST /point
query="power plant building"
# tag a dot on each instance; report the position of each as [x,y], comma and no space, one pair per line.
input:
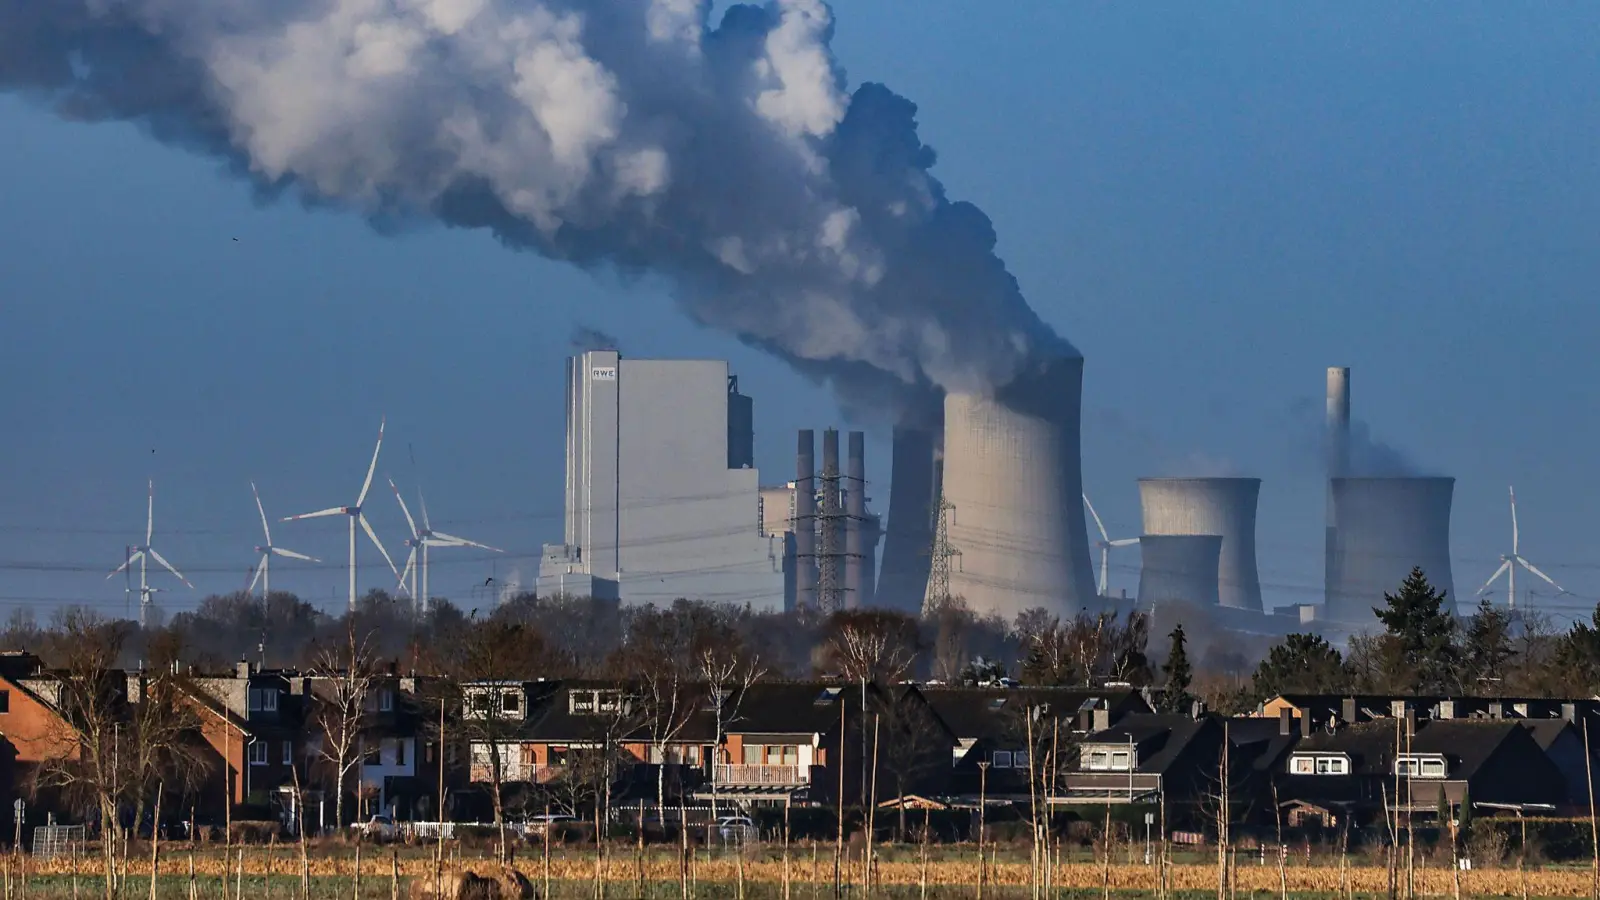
[1013,488]
[661,499]
[1225,507]
[1383,528]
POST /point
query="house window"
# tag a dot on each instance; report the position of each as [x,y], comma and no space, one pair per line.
[510,702]
[1019,759]
[263,700]
[5,701]
[399,753]
[1001,759]
[258,753]
[783,755]
[1099,759]
[386,701]
[480,704]
[371,755]
[288,753]
[1319,765]
[1121,760]
[1420,766]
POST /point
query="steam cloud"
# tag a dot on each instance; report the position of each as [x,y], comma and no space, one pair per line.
[629,134]
[585,337]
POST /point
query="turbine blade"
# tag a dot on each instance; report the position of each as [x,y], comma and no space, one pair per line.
[1105,564]
[1513,521]
[450,540]
[137,555]
[256,576]
[265,529]
[169,567]
[293,555]
[373,467]
[367,527]
[411,563]
[150,514]
[410,523]
[319,514]
[1497,573]
[1097,523]
[1535,570]
[1123,542]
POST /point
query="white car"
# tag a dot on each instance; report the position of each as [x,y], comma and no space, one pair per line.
[736,829]
[379,828]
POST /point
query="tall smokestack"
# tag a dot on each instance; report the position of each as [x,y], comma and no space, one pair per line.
[1385,528]
[805,522]
[830,562]
[1013,479]
[855,498]
[1338,453]
[913,487]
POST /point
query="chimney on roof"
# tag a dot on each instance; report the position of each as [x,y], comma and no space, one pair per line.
[1197,709]
[242,669]
[1447,709]
[1411,721]
[1285,722]
[1397,708]
[1305,724]
[1102,718]
[1569,711]
[1347,710]
[1496,711]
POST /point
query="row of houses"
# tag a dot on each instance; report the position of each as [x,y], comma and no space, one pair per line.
[531,746]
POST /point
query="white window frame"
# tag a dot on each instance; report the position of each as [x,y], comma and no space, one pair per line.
[1418,766]
[386,700]
[288,753]
[258,753]
[1000,759]
[1099,759]
[1019,759]
[1303,765]
[1121,761]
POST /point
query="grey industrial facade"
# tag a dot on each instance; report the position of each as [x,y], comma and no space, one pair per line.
[662,500]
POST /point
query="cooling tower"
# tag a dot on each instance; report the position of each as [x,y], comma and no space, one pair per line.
[1013,480]
[903,578]
[857,587]
[1383,528]
[805,522]
[1179,568]
[1225,507]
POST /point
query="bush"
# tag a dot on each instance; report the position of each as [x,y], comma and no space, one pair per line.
[255,831]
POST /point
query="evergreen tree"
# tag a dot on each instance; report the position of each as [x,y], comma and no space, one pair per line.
[1302,663]
[1423,633]
[1179,674]
[1487,647]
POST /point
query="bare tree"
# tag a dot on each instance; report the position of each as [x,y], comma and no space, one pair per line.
[343,680]
[871,645]
[728,676]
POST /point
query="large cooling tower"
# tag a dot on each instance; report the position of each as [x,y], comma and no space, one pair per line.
[1225,507]
[913,489]
[1179,568]
[1012,476]
[1383,527]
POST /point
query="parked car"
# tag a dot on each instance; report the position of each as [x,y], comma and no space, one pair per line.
[736,829]
[536,826]
[378,828]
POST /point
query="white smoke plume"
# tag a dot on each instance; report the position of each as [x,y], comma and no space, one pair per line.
[629,134]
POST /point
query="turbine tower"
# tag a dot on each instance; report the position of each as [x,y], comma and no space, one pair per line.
[421,539]
[1105,544]
[355,516]
[1509,563]
[143,554]
[267,551]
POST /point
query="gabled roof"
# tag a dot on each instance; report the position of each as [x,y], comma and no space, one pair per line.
[1466,743]
[1160,739]
[987,712]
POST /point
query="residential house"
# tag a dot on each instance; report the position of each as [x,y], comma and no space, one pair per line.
[254,722]
[801,742]
[1151,759]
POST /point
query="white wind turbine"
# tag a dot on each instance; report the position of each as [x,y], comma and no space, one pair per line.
[143,554]
[267,551]
[421,539]
[355,516]
[1105,544]
[1509,563]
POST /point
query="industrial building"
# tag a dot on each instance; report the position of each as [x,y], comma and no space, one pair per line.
[1224,507]
[662,499]
[831,538]
[1015,535]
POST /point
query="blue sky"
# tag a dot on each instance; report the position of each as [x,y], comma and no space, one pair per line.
[1213,205]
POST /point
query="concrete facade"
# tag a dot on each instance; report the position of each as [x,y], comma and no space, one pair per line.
[653,510]
[1225,507]
[1384,527]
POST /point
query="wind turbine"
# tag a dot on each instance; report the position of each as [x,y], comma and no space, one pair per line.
[354,514]
[421,539]
[1105,544]
[267,551]
[143,554]
[1509,563]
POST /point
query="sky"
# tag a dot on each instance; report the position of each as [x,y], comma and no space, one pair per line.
[1214,204]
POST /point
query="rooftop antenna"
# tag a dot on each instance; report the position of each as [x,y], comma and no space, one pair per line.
[1509,563]
[1105,544]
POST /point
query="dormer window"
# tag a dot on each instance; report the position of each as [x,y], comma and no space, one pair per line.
[1319,764]
[1105,759]
[1413,766]
[263,700]
[511,703]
